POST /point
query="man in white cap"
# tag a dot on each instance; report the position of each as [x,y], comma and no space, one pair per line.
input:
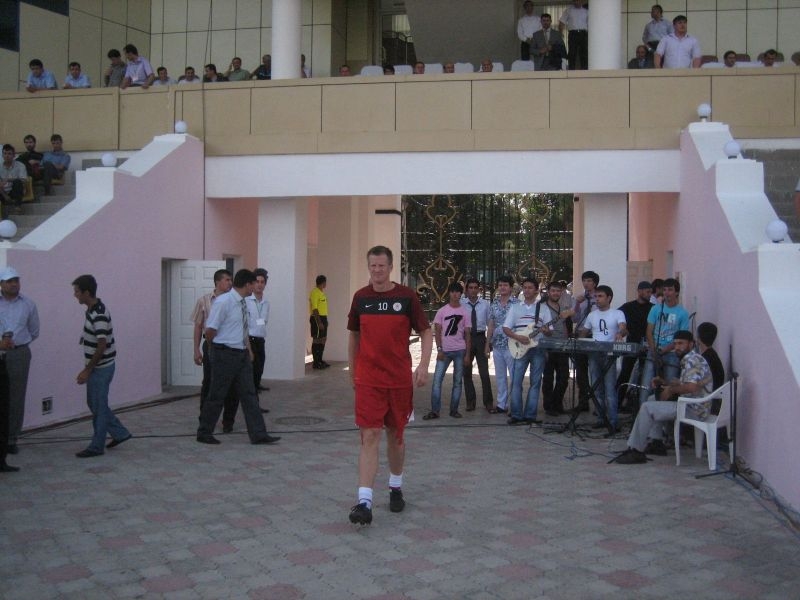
[21,326]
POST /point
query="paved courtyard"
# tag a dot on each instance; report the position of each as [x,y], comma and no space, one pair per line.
[493,512]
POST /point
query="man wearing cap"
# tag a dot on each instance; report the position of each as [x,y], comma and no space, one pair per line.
[20,327]
[636,312]
[695,381]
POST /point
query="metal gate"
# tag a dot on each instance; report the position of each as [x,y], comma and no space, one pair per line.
[449,238]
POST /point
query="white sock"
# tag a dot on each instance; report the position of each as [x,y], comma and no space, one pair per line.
[395,481]
[365,496]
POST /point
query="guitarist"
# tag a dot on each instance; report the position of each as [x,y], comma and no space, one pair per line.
[557,362]
[521,324]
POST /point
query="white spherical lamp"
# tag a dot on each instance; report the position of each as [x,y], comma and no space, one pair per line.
[109,159]
[776,231]
[8,229]
[181,127]
[732,149]
[704,111]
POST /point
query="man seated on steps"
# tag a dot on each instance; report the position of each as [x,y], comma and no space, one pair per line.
[56,161]
[12,182]
[32,159]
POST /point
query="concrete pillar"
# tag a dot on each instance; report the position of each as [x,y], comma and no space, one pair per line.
[282,250]
[601,241]
[286,38]
[605,34]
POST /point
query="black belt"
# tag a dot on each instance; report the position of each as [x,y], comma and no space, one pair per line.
[578,30]
[228,348]
[256,339]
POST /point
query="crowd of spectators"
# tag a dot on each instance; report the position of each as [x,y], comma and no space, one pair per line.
[665,44]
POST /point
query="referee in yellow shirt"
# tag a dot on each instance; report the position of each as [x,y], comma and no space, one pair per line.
[318,305]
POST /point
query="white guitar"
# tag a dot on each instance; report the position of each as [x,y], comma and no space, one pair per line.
[530,331]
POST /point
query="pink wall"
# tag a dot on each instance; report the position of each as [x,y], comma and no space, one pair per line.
[652,224]
[232,230]
[724,280]
[151,217]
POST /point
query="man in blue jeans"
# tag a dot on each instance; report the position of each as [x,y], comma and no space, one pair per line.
[521,326]
[452,332]
[100,355]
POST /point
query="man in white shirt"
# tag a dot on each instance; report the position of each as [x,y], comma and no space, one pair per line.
[678,50]
[231,363]
[605,325]
[527,25]
[656,29]
[575,19]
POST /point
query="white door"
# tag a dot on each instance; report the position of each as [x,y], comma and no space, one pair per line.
[189,280]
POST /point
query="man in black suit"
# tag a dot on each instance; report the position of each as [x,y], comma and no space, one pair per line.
[643,59]
[547,47]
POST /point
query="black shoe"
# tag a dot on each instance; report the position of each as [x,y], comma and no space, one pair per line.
[533,421]
[262,388]
[631,456]
[88,453]
[361,514]
[227,428]
[396,502]
[430,415]
[516,421]
[656,447]
[317,366]
[115,443]
[470,408]
[207,439]
[6,468]
[264,411]
[12,449]
[457,415]
[501,411]
[268,439]
[323,364]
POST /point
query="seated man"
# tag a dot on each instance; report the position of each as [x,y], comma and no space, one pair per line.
[12,181]
[39,78]
[419,68]
[138,73]
[56,162]
[235,71]
[642,60]
[263,71]
[189,76]
[695,381]
[76,79]
[729,58]
[769,58]
[487,65]
[33,163]
[163,77]
[449,67]
[388,70]
[211,75]
[344,71]
[452,334]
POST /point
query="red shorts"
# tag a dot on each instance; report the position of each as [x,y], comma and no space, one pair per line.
[384,407]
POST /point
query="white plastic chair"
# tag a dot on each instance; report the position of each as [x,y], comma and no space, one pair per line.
[403,70]
[463,67]
[434,69]
[372,70]
[522,65]
[497,67]
[708,426]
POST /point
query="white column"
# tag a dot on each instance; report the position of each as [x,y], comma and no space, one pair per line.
[283,250]
[286,37]
[601,241]
[605,34]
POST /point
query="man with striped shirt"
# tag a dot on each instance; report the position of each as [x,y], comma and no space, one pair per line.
[99,354]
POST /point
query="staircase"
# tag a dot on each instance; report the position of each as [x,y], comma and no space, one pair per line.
[781,172]
[38,211]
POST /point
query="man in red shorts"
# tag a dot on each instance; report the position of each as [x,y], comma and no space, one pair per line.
[380,321]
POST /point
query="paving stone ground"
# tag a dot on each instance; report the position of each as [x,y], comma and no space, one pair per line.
[494,512]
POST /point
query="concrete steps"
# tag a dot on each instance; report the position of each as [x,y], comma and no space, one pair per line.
[37,212]
[781,172]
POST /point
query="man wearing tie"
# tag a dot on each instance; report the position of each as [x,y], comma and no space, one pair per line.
[478,312]
[547,47]
[232,363]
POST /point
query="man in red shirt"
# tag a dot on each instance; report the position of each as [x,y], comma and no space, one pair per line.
[381,318]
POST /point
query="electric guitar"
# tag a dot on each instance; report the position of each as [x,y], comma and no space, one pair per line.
[530,331]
